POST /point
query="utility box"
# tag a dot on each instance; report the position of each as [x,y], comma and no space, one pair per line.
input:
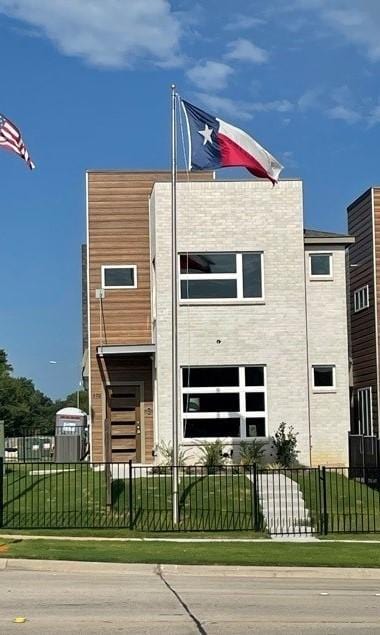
[70,435]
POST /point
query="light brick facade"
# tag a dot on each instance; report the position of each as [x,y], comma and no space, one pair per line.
[299,323]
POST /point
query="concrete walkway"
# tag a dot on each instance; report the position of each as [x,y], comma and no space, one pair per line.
[283,507]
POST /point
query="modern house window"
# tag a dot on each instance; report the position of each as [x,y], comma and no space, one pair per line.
[119,276]
[320,265]
[224,401]
[221,276]
[361,298]
[323,378]
[364,411]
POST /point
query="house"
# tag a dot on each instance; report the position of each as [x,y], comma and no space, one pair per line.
[262,322]
[363,267]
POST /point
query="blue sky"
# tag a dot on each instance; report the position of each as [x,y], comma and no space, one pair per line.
[88,82]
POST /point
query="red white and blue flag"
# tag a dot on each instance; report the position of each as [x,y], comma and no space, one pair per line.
[10,138]
[217,144]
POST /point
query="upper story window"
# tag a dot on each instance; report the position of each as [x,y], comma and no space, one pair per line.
[119,276]
[323,378]
[321,265]
[221,276]
[361,298]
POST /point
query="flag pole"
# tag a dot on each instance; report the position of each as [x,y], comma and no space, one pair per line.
[174,309]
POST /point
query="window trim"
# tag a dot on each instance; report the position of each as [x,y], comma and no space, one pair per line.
[366,389]
[321,252]
[129,286]
[238,276]
[243,414]
[357,292]
[317,389]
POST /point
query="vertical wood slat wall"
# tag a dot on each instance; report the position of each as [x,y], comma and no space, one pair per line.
[118,234]
[363,323]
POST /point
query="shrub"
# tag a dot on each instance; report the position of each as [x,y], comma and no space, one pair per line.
[167,453]
[212,455]
[285,443]
[252,452]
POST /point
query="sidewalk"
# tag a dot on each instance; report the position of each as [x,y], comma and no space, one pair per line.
[68,566]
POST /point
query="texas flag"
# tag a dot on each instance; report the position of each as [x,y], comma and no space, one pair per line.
[216,144]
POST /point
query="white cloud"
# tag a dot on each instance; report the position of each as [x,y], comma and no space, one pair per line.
[309,99]
[358,22]
[242,22]
[279,105]
[374,116]
[210,75]
[245,51]
[242,109]
[220,106]
[111,33]
[344,113]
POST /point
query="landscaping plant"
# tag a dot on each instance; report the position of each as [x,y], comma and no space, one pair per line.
[252,452]
[285,442]
[212,455]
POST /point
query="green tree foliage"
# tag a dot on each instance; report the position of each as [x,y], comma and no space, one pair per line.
[24,408]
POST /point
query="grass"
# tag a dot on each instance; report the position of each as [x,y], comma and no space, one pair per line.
[261,554]
[76,498]
[351,505]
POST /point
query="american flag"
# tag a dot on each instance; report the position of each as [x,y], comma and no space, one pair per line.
[10,137]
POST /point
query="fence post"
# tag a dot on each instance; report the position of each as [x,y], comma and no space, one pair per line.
[255,501]
[324,503]
[1,491]
[130,493]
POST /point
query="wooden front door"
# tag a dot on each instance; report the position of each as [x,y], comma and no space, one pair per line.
[125,423]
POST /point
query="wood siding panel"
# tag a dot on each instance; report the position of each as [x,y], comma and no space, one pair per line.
[362,325]
[118,234]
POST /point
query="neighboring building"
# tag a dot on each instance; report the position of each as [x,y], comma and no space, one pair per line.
[364,265]
[262,330]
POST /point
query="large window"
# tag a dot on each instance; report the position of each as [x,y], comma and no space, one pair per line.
[221,276]
[224,401]
[119,276]
[320,265]
[361,298]
[364,411]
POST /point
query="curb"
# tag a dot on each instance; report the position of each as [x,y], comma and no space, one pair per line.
[68,566]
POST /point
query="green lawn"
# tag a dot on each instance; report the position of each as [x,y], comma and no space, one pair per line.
[76,498]
[268,553]
[351,506]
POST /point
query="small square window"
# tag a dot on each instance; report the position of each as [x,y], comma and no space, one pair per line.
[320,265]
[119,277]
[323,377]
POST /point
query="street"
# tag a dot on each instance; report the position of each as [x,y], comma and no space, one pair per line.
[145,600]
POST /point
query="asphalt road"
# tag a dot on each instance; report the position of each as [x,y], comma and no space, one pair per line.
[213,602]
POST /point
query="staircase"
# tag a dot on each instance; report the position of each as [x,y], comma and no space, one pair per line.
[283,507]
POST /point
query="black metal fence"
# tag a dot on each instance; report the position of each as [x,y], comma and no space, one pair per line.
[98,495]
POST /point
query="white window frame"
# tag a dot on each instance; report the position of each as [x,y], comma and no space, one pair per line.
[364,397]
[324,388]
[361,298]
[123,286]
[320,252]
[243,413]
[238,276]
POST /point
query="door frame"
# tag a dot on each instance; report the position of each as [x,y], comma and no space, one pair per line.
[140,385]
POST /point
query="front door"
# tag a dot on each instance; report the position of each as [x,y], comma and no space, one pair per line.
[125,424]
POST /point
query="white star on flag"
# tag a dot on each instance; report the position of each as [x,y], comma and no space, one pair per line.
[206,134]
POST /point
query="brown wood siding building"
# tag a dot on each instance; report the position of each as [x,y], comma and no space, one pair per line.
[118,234]
[363,224]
